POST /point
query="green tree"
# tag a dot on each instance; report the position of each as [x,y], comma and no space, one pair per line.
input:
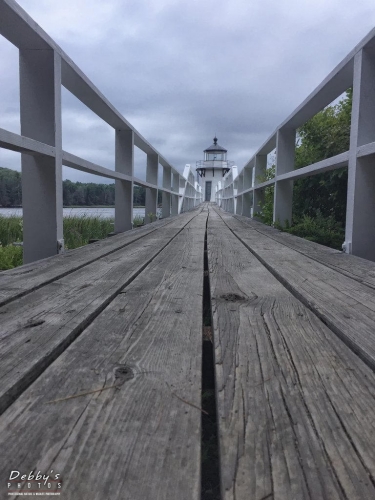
[319,201]
[10,188]
[325,135]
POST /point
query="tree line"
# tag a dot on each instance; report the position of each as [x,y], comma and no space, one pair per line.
[74,193]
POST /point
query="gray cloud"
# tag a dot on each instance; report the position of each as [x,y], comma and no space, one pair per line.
[182,71]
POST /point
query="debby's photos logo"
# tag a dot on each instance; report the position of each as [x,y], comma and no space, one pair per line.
[34,483]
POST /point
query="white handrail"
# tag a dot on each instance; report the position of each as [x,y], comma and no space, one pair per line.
[357,70]
[42,73]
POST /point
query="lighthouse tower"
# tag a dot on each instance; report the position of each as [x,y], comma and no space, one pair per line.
[212,169]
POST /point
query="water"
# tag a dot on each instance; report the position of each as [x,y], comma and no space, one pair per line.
[105,213]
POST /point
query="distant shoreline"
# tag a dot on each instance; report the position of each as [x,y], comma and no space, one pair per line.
[97,206]
[80,206]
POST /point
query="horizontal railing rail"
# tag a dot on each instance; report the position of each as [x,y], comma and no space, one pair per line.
[243,194]
[44,68]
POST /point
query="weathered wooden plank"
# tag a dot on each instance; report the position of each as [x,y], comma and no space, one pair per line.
[36,328]
[25,279]
[142,440]
[344,304]
[361,270]
[295,404]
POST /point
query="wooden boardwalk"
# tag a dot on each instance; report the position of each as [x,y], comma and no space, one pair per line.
[101,365]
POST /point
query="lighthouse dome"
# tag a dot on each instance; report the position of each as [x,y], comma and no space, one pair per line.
[215,147]
[215,152]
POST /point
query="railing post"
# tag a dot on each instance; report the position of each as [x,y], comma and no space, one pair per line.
[239,197]
[283,196]
[175,189]
[40,106]
[360,226]
[124,163]
[151,193]
[234,190]
[166,197]
[182,186]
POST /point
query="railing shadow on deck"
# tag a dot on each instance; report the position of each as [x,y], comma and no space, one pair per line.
[44,68]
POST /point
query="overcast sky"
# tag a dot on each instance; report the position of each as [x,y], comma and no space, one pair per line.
[182,71]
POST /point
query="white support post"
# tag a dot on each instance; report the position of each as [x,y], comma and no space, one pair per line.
[283,196]
[124,163]
[360,225]
[175,188]
[182,187]
[40,106]
[151,193]
[166,197]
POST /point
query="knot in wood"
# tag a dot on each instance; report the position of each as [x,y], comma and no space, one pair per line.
[232,297]
[123,373]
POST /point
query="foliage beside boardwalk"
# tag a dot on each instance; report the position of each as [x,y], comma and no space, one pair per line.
[319,201]
[77,232]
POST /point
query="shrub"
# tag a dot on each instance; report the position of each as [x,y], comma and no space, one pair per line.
[10,257]
[324,230]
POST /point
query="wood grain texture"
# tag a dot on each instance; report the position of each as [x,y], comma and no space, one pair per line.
[344,304]
[141,441]
[361,270]
[17,282]
[295,404]
[38,327]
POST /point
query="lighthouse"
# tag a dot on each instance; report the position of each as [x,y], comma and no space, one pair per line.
[212,169]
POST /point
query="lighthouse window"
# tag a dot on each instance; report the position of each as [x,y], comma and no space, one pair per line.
[215,156]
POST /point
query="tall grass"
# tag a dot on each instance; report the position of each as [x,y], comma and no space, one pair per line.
[77,232]
[10,230]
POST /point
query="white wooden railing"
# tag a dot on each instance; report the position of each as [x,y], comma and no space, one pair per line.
[243,193]
[44,68]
